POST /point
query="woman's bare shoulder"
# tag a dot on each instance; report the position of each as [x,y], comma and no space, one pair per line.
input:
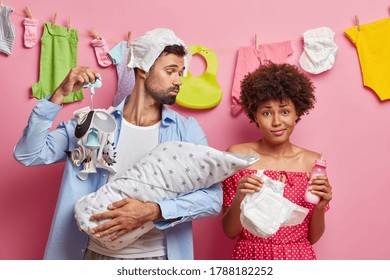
[309,156]
[242,148]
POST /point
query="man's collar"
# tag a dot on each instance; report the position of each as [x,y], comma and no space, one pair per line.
[167,115]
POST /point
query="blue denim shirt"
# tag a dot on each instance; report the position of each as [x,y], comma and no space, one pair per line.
[38,145]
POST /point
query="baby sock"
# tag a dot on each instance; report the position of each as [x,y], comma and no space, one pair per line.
[101,51]
[30,32]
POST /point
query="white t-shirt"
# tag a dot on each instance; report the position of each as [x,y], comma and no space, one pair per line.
[134,143]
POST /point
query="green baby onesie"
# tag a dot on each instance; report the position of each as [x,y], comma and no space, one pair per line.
[58,56]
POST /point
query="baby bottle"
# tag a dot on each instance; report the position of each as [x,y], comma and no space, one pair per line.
[319,169]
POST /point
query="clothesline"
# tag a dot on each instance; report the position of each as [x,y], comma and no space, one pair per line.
[117,40]
[111,39]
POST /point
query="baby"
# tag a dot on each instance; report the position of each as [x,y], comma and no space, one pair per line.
[169,170]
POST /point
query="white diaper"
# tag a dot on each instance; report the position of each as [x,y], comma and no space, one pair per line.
[320,50]
[264,212]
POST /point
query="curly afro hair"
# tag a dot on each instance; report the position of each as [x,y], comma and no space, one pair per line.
[276,82]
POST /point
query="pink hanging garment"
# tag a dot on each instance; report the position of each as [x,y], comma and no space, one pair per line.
[249,58]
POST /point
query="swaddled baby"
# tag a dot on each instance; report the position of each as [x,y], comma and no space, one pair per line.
[170,169]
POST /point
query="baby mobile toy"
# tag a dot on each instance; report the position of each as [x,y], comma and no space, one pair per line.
[95,131]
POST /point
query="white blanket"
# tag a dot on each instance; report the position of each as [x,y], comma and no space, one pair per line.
[171,169]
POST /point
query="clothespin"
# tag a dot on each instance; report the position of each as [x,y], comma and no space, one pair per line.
[357,22]
[54,20]
[28,12]
[1,4]
[94,33]
[128,39]
[69,24]
[256,41]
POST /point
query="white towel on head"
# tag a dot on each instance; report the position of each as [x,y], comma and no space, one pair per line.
[146,49]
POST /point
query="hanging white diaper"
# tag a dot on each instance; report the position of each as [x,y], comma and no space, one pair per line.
[264,212]
[320,50]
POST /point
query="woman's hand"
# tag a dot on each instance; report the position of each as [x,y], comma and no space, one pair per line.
[320,186]
[248,184]
[231,215]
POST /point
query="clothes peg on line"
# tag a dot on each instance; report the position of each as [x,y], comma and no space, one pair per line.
[128,39]
[54,20]
[28,13]
[95,34]
[69,24]
[256,41]
[357,22]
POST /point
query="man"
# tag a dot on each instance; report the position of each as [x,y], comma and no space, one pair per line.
[159,60]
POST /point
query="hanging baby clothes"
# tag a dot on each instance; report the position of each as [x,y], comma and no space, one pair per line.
[58,56]
[101,51]
[203,91]
[373,44]
[249,58]
[7,30]
[120,56]
[30,37]
[320,50]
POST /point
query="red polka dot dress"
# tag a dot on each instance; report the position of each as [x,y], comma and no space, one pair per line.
[289,242]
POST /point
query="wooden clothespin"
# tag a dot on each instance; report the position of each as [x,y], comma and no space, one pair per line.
[1,4]
[128,39]
[357,22]
[256,41]
[94,33]
[69,24]
[28,13]
[54,20]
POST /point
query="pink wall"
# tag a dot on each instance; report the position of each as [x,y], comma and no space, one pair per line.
[349,123]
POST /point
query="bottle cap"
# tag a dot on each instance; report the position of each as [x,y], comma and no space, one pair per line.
[321,162]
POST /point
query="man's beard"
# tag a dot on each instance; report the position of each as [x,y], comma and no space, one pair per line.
[164,96]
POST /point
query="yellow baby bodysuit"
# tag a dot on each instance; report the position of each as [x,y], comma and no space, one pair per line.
[373,46]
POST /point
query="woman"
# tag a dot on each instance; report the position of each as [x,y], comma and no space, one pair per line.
[275,96]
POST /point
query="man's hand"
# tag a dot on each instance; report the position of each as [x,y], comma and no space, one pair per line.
[74,81]
[125,215]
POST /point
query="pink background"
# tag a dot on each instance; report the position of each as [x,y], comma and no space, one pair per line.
[349,123]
